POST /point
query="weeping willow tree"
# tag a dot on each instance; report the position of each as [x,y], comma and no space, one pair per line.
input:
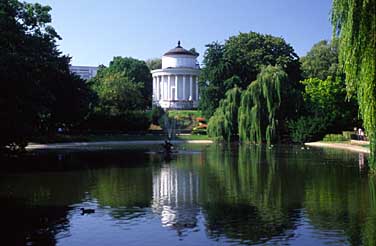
[223,125]
[250,114]
[258,119]
[354,22]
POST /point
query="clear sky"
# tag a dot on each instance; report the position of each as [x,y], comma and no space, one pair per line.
[95,31]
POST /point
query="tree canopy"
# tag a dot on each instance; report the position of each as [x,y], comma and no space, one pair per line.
[243,56]
[326,109]
[321,61]
[254,114]
[37,90]
[224,123]
[153,64]
[259,112]
[124,85]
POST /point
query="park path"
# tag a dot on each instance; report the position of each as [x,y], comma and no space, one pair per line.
[346,146]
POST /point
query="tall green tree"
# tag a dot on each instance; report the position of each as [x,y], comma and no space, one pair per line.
[124,85]
[260,113]
[326,99]
[153,64]
[326,110]
[117,94]
[37,91]
[223,125]
[243,55]
[354,22]
[321,61]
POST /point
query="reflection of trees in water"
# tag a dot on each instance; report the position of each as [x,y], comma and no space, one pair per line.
[22,224]
[341,201]
[119,187]
[244,196]
[259,193]
[247,193]
[34,208]
[127,191]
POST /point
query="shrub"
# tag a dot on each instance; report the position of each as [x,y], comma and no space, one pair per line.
[306,128]
[156,114]
[348,134]
[334,138]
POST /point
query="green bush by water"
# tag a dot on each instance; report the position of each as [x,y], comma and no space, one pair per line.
[334,138]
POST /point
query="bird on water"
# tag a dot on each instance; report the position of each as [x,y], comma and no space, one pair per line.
[87,211]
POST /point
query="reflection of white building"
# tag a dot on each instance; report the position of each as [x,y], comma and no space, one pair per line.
[84,72]
[176,84]
[175,197]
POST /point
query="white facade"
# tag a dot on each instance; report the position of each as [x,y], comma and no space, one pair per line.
[85,72]
[175,86]
[172,61]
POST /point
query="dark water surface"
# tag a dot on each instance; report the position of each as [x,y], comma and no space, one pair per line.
[206,195]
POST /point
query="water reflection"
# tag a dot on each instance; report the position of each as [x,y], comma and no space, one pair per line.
[220,194]
[175,196]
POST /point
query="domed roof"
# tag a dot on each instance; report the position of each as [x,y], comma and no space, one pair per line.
[178,50]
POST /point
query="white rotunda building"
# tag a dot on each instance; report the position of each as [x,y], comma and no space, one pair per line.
[175,86]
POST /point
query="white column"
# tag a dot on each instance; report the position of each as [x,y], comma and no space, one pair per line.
[190,88]
[154,89]
[169,87]
[196,88]
[163,88]
[157,80]
[176,87]
[184,97]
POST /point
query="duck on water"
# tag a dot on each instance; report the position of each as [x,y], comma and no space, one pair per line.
[87,211]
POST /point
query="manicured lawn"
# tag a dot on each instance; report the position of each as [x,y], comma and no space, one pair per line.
[185,113]
[186,119]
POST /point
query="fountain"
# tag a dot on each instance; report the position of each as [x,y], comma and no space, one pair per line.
[169,127]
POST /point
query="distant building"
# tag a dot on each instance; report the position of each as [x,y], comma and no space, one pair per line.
[175,86]
[85,72]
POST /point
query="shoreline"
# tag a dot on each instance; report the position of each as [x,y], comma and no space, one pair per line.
[344,146]
[78,145]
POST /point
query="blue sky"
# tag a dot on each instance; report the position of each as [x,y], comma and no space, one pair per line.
[94,31]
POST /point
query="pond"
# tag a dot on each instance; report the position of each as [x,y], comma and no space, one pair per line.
[204,195]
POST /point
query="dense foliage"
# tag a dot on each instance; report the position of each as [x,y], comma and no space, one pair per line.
[37,91]
[326,107]
[321,61]
[124,75]
[276,106]
[243,56]
[124,92]
[259,113]
[156,115]
[223,125]
[153,64]
[252,115]
[354,22]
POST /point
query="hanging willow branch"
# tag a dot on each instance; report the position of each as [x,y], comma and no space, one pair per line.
[354,22]
[250,114]
[259,106]
[224,123]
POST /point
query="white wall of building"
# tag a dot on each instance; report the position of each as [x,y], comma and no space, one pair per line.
[85,72]
[173,61]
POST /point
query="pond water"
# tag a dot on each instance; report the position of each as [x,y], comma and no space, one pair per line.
[206,195]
